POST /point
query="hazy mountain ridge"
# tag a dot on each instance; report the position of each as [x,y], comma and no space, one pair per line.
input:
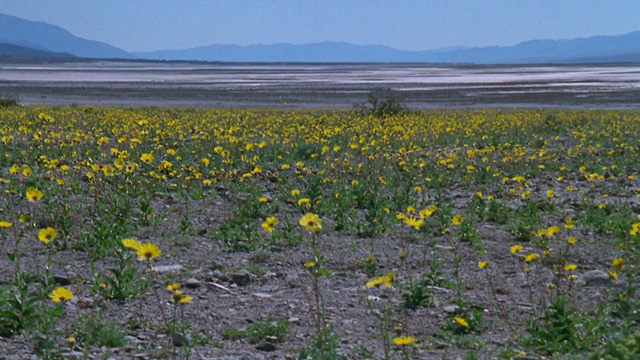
[47,37]
[17,51]
[43,37]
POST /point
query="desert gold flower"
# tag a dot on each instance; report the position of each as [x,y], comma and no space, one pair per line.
[613,274]
[386,280]
[5,224]
[570,267]
[483,264]
[571,240]
[413,222]
[516,248]
[457,219]
[34,194]
[311,222]
[130,243]
[61,295]
[531,257]
[462,322]
[426,213]
[263,199]
[617,263]
[304,201]
[269,225]
[295,192]
[185,300]
[402,341]
[147,158]
[47,235]
[310,264]
[148,251]
[568,224]
[173,287]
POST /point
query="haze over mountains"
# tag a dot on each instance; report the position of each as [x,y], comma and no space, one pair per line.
[20,38]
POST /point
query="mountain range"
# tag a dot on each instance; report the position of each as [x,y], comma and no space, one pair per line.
[20,38]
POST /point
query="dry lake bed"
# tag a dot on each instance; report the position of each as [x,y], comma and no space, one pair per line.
[321,86]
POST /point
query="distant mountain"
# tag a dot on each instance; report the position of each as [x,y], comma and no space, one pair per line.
[47,37]
[40,36]
[593,49]
[17,51]
[320,52]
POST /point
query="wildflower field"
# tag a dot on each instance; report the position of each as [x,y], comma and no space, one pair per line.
[250,234]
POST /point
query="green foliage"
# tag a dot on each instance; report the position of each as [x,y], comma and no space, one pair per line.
[8,102]
[381,103]
[624,348]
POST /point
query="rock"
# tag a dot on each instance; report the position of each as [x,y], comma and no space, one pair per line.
[179,340]
[596,278]
[262,295]
[451,309]
[241,278]
[220,276]
[266,346]
[63,279]
[165,268]
[192,283]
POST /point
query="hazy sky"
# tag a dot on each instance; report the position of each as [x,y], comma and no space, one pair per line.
[143,25]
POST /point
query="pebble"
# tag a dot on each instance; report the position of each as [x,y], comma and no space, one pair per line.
[451,309]
[241,278]
[596,278]
[266,346]
[165,268]
[192,283]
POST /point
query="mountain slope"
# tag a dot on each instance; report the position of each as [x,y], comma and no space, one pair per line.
[43,36]
[17,51]
[593,49]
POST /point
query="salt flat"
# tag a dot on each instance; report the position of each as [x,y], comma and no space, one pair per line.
[320,85]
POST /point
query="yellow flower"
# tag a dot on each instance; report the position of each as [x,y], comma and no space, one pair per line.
[531,257]
[147,158]
[553,230]
[185,299]
[61,295]
[568,224]
[413,222]
[386,280]
[46,235]
[295,192]
[516,248]
[426,213]
[130,243]
[483,264]
[304,201]
[5,224]
[457,219]
[34,194]
[270,224]
[173,287]
[263,199]
[310,264]
[617,263]
[571,240]
[311,222]
[549,194]
[148,251]
[402,341]
[570,267]
[462,322]
[613,274]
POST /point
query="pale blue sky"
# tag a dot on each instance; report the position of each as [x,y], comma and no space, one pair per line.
[144,25]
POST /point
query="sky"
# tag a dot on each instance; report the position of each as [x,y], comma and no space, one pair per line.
[147,25]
